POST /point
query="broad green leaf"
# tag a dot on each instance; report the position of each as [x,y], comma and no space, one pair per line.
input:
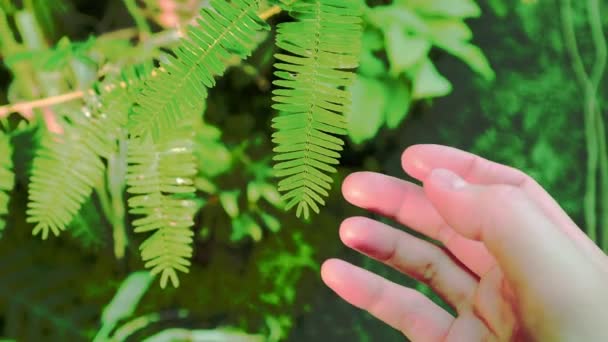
[404,50]
[272,223]
[367,111]
[474,58]
[453,36]
[371,65]
[270,194]
[386,16]
[448,8]
[244,225]
[125,301]
[448,31]
[372,40]
[230,202]
[429,83]
[398,103]
[205,185]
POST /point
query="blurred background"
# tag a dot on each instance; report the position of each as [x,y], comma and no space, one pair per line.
[521,82]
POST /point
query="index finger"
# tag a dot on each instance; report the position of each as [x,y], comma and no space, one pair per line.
[419,160]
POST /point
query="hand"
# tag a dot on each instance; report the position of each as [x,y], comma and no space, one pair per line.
[512,264]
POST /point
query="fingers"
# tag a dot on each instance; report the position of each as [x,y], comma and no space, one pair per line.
[412,256]
[494,302]
[528,248]
[407,203]
[468,327]
[524,241]
[404,309]
[419,160]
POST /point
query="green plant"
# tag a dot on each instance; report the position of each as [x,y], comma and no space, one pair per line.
[322,43]
[113,125]
[132,157]
[396,66]
[134,130]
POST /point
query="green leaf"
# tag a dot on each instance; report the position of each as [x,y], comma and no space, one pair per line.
[445,32]
[124,303]
[386,16]
[222,30]
[127,297]
[272,223]
[271,195]
[243,226]
[448,8]
[398,103]
[371,66]
[428,82]
[372,40]
[160,178]
[230,202]
[453,37]
[320,50]
[404,50]
[367,112]
[474,58]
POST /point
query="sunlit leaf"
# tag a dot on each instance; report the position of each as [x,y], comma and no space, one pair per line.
[428,82]
[398,103]
[404,50]
[230,202]
[367,113]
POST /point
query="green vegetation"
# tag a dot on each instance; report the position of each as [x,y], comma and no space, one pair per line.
[145,139]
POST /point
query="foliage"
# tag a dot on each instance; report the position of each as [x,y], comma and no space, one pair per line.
[405,32]
[155,143]
[222,30]
[322,43]
[68,163]
[159,178]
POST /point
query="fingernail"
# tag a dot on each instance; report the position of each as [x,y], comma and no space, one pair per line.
[447,179]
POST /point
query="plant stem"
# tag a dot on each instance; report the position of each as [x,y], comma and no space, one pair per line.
[597,74]
[270,12]
[41,103]
[158,39]
[117,169]
[140,21]
[594,125]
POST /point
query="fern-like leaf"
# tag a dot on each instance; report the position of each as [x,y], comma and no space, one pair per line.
[160,180]
[7,177]
[64,172]
[67,166]
[322,44]
[224,29]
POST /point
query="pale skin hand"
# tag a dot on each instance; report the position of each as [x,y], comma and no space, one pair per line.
[514,266]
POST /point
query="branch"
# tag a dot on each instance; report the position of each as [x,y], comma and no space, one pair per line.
[78,94]
[271,12]
[41,103]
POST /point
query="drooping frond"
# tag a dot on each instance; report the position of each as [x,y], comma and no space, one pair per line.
[68,165]
[7,177]
[224,29]
[160,181]
[322,44]
[64,172]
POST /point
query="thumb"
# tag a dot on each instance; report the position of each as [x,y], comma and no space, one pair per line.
[529,247]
